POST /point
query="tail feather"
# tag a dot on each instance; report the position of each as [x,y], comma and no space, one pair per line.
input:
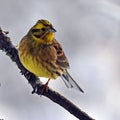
[69,81]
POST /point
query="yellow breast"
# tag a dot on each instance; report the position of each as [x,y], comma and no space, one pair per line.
[33,62]
[34,65]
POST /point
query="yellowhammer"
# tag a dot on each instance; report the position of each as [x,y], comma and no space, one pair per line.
[41,54]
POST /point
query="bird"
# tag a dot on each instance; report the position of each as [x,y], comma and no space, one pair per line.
[41,54]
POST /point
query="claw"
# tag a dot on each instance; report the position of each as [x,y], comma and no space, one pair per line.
[45,88]
[35,89]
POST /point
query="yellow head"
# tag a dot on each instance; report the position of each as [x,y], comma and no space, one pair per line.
[42,32]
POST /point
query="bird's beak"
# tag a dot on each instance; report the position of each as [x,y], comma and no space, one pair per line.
[52,30]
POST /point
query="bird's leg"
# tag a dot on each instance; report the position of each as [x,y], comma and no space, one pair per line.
[46,84]
[45,87]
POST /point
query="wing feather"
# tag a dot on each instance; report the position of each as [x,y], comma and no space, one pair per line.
[61,60]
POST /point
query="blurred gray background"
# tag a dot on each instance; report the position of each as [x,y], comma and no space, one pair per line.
[89,31]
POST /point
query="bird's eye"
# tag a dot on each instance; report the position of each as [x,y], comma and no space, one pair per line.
[35,30]
[43,29]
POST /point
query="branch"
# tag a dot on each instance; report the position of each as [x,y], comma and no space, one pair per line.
[10,50]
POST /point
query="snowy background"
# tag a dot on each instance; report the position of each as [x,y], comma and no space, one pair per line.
[89,31]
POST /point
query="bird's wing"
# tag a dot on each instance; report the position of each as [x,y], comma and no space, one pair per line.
[61,60]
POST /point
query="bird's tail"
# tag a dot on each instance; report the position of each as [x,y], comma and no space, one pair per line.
[70,82]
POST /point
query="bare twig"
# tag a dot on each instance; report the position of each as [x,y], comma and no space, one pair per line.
[10,50]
